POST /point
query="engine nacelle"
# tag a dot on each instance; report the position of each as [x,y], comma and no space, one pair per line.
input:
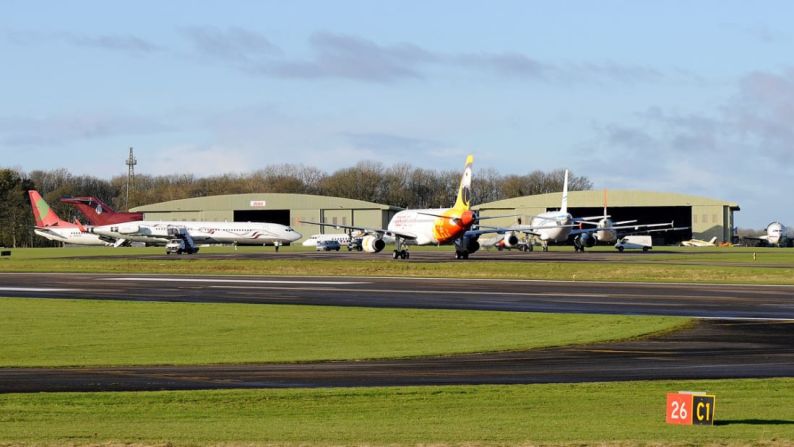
[128,228]
[585,240]
[510,239]
[467,244]
[372,244]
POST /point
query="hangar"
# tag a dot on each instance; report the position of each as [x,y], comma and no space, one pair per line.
[706,217]
[285,209]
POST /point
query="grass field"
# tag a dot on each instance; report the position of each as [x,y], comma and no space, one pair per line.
[709,265]
[748,412]
[36,332]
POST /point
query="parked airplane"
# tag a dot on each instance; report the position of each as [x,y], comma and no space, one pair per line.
[435,226]
[342,238]
[98,212]
[777,235]
[607,231]
[50,226]
[240,233]
[554,226]
[700,243]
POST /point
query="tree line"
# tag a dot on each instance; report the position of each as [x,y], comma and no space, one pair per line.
[400,185]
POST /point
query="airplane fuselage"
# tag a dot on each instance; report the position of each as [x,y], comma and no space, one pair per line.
[241,233]
[70,235]
[563,220]
[428,228]
[779,235]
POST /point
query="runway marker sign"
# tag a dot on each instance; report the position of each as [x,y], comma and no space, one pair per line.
[690,408]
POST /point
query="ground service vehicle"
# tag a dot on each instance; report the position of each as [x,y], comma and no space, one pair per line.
[634,242]
[328,245]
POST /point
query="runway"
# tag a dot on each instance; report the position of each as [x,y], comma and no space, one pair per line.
[690,300]
[744,331]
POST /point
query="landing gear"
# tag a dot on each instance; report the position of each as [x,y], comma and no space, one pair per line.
[461,254]
[401,254]
[545,245]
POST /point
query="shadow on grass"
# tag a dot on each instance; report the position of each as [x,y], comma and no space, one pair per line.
[754,422]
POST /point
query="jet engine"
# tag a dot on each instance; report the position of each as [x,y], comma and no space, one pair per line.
[510,240]
[467,244]
[128,228]
[372,244]
[584,240]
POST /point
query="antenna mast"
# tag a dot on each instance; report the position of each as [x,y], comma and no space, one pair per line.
[130,162]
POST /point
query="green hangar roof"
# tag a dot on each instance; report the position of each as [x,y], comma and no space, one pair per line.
[617,198]
[263,200]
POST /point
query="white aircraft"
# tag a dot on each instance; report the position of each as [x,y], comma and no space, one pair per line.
[777,235]
[609,232]
[554,226]
[700,243]
[435,226]
[240,233]
[342,238]
[50,226]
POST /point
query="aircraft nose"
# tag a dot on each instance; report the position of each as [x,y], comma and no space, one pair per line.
[467,218]
[294,236]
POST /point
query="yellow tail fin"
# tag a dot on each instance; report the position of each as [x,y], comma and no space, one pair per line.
[463,201]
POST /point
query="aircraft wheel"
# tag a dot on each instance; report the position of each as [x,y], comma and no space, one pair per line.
[407,255]
[395,255]
[620,249]
[465,255]
[457,254]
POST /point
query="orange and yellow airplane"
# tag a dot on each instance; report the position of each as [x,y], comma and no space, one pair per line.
[432,226]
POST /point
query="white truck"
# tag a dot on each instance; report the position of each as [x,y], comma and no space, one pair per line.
[635,242]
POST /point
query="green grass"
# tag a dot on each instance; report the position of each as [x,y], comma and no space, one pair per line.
[38,332]
[708,265]
[757,412]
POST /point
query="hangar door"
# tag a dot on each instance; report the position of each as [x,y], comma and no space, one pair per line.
[270,216]
[680,215]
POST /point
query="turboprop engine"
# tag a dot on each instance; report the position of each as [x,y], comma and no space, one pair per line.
[372,244]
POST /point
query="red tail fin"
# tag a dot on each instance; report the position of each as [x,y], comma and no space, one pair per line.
[98,212]
[45,216]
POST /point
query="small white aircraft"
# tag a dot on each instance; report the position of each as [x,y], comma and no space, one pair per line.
[50,226]
[700,243]
[434,226]
[777,235]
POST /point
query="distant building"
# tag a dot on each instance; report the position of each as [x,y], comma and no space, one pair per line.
[706,217]
[286,209]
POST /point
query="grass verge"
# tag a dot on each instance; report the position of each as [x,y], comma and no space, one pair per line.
[748,412]
[44,332]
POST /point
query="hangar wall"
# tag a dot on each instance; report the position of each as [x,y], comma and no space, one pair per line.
[286,209]
[707,217]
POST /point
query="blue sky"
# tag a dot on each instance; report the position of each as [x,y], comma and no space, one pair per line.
[689,97]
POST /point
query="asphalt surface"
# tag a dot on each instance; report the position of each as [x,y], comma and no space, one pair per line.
[747,331]
[703,301]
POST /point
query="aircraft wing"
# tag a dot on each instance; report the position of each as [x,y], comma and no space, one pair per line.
[366,230]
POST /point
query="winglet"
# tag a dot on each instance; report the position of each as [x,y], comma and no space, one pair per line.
[463,201]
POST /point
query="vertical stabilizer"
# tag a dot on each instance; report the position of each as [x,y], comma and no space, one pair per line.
[45,216]
[564,205]
[605,203]
[463,201]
